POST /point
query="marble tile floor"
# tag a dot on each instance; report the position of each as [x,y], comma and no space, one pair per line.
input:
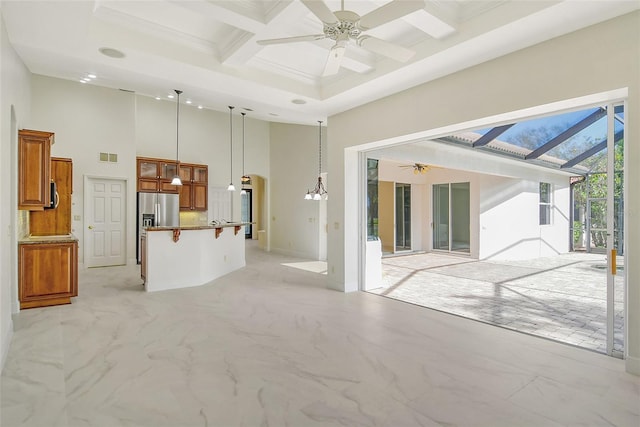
[561,298]
[270,345]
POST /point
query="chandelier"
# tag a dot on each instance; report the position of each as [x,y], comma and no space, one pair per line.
[319,192]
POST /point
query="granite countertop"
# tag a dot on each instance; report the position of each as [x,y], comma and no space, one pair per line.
[30,240]
[196,227]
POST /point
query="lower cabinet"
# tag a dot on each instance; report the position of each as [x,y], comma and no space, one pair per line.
[47,273]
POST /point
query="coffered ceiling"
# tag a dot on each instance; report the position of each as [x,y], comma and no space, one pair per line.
[209,48]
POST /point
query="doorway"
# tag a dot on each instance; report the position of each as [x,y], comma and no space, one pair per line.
[105,207]
[451,217]
[246,214]
[403,217]
[587,307]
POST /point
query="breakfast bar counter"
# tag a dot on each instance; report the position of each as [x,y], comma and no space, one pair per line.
[182,257]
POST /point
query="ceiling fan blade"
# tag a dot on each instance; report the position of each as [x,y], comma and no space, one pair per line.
[310,37]
[320,9]
[389,12]
[391,50]
[334,59]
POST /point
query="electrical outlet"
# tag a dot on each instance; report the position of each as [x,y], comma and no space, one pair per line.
[76,217]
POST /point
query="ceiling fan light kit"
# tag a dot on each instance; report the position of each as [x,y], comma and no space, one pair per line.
[345,25]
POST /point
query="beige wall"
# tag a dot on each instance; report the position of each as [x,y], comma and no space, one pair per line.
[386,215]
[296,225]
[15,99]
[598,59]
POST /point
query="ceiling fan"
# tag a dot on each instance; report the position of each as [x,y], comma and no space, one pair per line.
[344,26]
[419,168]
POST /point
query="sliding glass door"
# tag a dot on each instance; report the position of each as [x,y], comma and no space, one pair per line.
[403,217]
[451,217]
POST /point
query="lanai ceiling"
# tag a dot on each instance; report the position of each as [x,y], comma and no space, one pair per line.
[209,49]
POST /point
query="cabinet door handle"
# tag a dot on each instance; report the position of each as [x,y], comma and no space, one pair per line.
[57,200]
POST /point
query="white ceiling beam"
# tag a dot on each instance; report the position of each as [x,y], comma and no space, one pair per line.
[244,47]
[247,19]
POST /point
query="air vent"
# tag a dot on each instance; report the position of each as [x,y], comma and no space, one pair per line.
[109,157]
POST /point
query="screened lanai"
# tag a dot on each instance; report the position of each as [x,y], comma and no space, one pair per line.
[575,142]
[578,301]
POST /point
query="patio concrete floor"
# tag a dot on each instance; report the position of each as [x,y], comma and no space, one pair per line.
[562,298]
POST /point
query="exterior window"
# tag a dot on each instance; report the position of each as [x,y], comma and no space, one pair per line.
[372,199]
[545,203]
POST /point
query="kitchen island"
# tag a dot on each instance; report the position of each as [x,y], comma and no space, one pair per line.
[182,257]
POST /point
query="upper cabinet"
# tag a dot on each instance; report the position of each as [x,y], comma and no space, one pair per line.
[195,184]
[34,169]
[155,175]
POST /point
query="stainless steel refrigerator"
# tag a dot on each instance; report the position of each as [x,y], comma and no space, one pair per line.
[157,210]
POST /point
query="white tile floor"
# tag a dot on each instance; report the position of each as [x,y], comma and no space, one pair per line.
[269,345]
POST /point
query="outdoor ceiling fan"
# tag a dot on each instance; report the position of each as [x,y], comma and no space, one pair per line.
[344,26]
[419,168]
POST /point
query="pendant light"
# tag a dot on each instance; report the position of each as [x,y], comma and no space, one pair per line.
[244,179]
[319,192]
[231,187]
[176,179]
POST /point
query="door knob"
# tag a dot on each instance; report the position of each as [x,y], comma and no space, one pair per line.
[91,227]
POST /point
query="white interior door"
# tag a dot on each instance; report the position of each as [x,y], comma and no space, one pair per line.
[105,222]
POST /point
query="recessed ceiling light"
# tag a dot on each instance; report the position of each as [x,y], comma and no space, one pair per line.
[273,114]
[111,53]
[188,101]
[299,101]
[247,109]
[158,98]
[200,107]
[170,96]
[82,81]
[91,76]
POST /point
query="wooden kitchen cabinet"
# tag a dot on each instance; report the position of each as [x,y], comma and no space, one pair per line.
[56,222]
[34,169]
[155,175]
[195,187]
[47,273]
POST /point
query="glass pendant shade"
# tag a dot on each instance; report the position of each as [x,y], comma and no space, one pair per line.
[308,196]
[176,180]
[231,187]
